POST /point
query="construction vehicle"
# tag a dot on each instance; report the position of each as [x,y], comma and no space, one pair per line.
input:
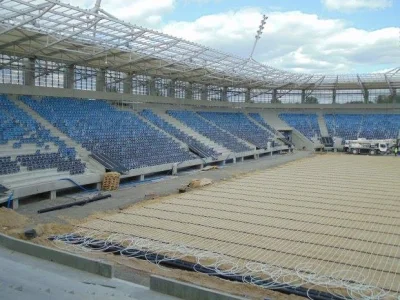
[372,147]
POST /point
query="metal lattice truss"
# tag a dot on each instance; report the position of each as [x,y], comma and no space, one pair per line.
[55,31]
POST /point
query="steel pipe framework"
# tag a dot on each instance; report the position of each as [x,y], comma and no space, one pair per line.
[56,31]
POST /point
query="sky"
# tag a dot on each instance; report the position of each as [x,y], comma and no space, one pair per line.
[307,36]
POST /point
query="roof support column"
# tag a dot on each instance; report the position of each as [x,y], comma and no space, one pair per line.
[189,91]
[394,95]
[171,88]
[69,77]
[127,84]
[274,96]
[303,96]
[247,97]
[29,71]
[224,94]
[152,87]
[334,96]
[204,92]
[101,80]
[366,96]
[363,89]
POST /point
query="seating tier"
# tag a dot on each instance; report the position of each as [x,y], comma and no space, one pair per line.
[119,135]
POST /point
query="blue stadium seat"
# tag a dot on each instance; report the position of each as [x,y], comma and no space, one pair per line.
[214,133]
[345,126]
[119,135]
[180,135]
[19,128]
[307,124]
[239,125]
[259,119]
[369,126]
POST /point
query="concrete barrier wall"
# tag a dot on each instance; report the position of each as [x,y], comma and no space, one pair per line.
[148,100]
[186,291]
[64,258]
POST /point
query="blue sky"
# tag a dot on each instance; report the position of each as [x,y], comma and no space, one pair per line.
[362,18]
[307,36]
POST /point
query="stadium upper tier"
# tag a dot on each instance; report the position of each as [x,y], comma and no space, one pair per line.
[58,32]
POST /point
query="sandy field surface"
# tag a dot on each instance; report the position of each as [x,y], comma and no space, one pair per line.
[331,222]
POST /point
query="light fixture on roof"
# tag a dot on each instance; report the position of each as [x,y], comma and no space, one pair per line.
[259,33]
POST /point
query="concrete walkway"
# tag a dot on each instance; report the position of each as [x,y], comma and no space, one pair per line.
[25,277]
[128,195]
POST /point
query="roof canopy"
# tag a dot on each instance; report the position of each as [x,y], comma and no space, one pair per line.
[55,31]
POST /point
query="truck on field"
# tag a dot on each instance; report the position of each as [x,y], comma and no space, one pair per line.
[372,147]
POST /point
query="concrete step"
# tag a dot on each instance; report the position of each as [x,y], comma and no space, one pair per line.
[227,132]
[275,131]
[206,141]
[322,124]
[183,145]
[32,177]
[273,120]
[8,150]
[25,178]
[298,138]
[259,125]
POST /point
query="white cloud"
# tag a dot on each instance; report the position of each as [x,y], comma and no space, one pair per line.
[382,71]
[294,40]
[351,5]
[141,12]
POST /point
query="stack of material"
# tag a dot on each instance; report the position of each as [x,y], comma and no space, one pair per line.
[111,181]
[196,183]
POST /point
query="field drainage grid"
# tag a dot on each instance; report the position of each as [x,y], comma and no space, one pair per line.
[331,222]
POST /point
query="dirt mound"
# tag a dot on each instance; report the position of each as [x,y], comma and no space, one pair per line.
[196,183]
[10,219]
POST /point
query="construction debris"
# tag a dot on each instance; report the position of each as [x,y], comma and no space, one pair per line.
[209,168]
[196,183]
[183,190]
[150,196]
[30,233]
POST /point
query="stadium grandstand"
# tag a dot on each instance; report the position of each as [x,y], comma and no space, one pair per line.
[83,94]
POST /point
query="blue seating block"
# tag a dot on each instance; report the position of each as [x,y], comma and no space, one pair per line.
[307,124]
[259,119]
[180,135]
[369,126]
[239,125]
[120,135]
[20,128]
[214,133]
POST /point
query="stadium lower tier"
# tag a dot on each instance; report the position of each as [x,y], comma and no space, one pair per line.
[369,126]
[50,133]
[346,126]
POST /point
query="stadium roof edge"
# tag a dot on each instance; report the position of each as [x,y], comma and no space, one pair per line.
[56,31]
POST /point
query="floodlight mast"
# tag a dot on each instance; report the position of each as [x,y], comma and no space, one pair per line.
[258,35]
[96,7]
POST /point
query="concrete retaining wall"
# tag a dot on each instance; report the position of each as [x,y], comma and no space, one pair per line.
[54,186]
[138,99]
[64,258]
[186,290]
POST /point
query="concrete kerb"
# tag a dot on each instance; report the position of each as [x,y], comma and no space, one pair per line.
[186,291]
[61,257]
